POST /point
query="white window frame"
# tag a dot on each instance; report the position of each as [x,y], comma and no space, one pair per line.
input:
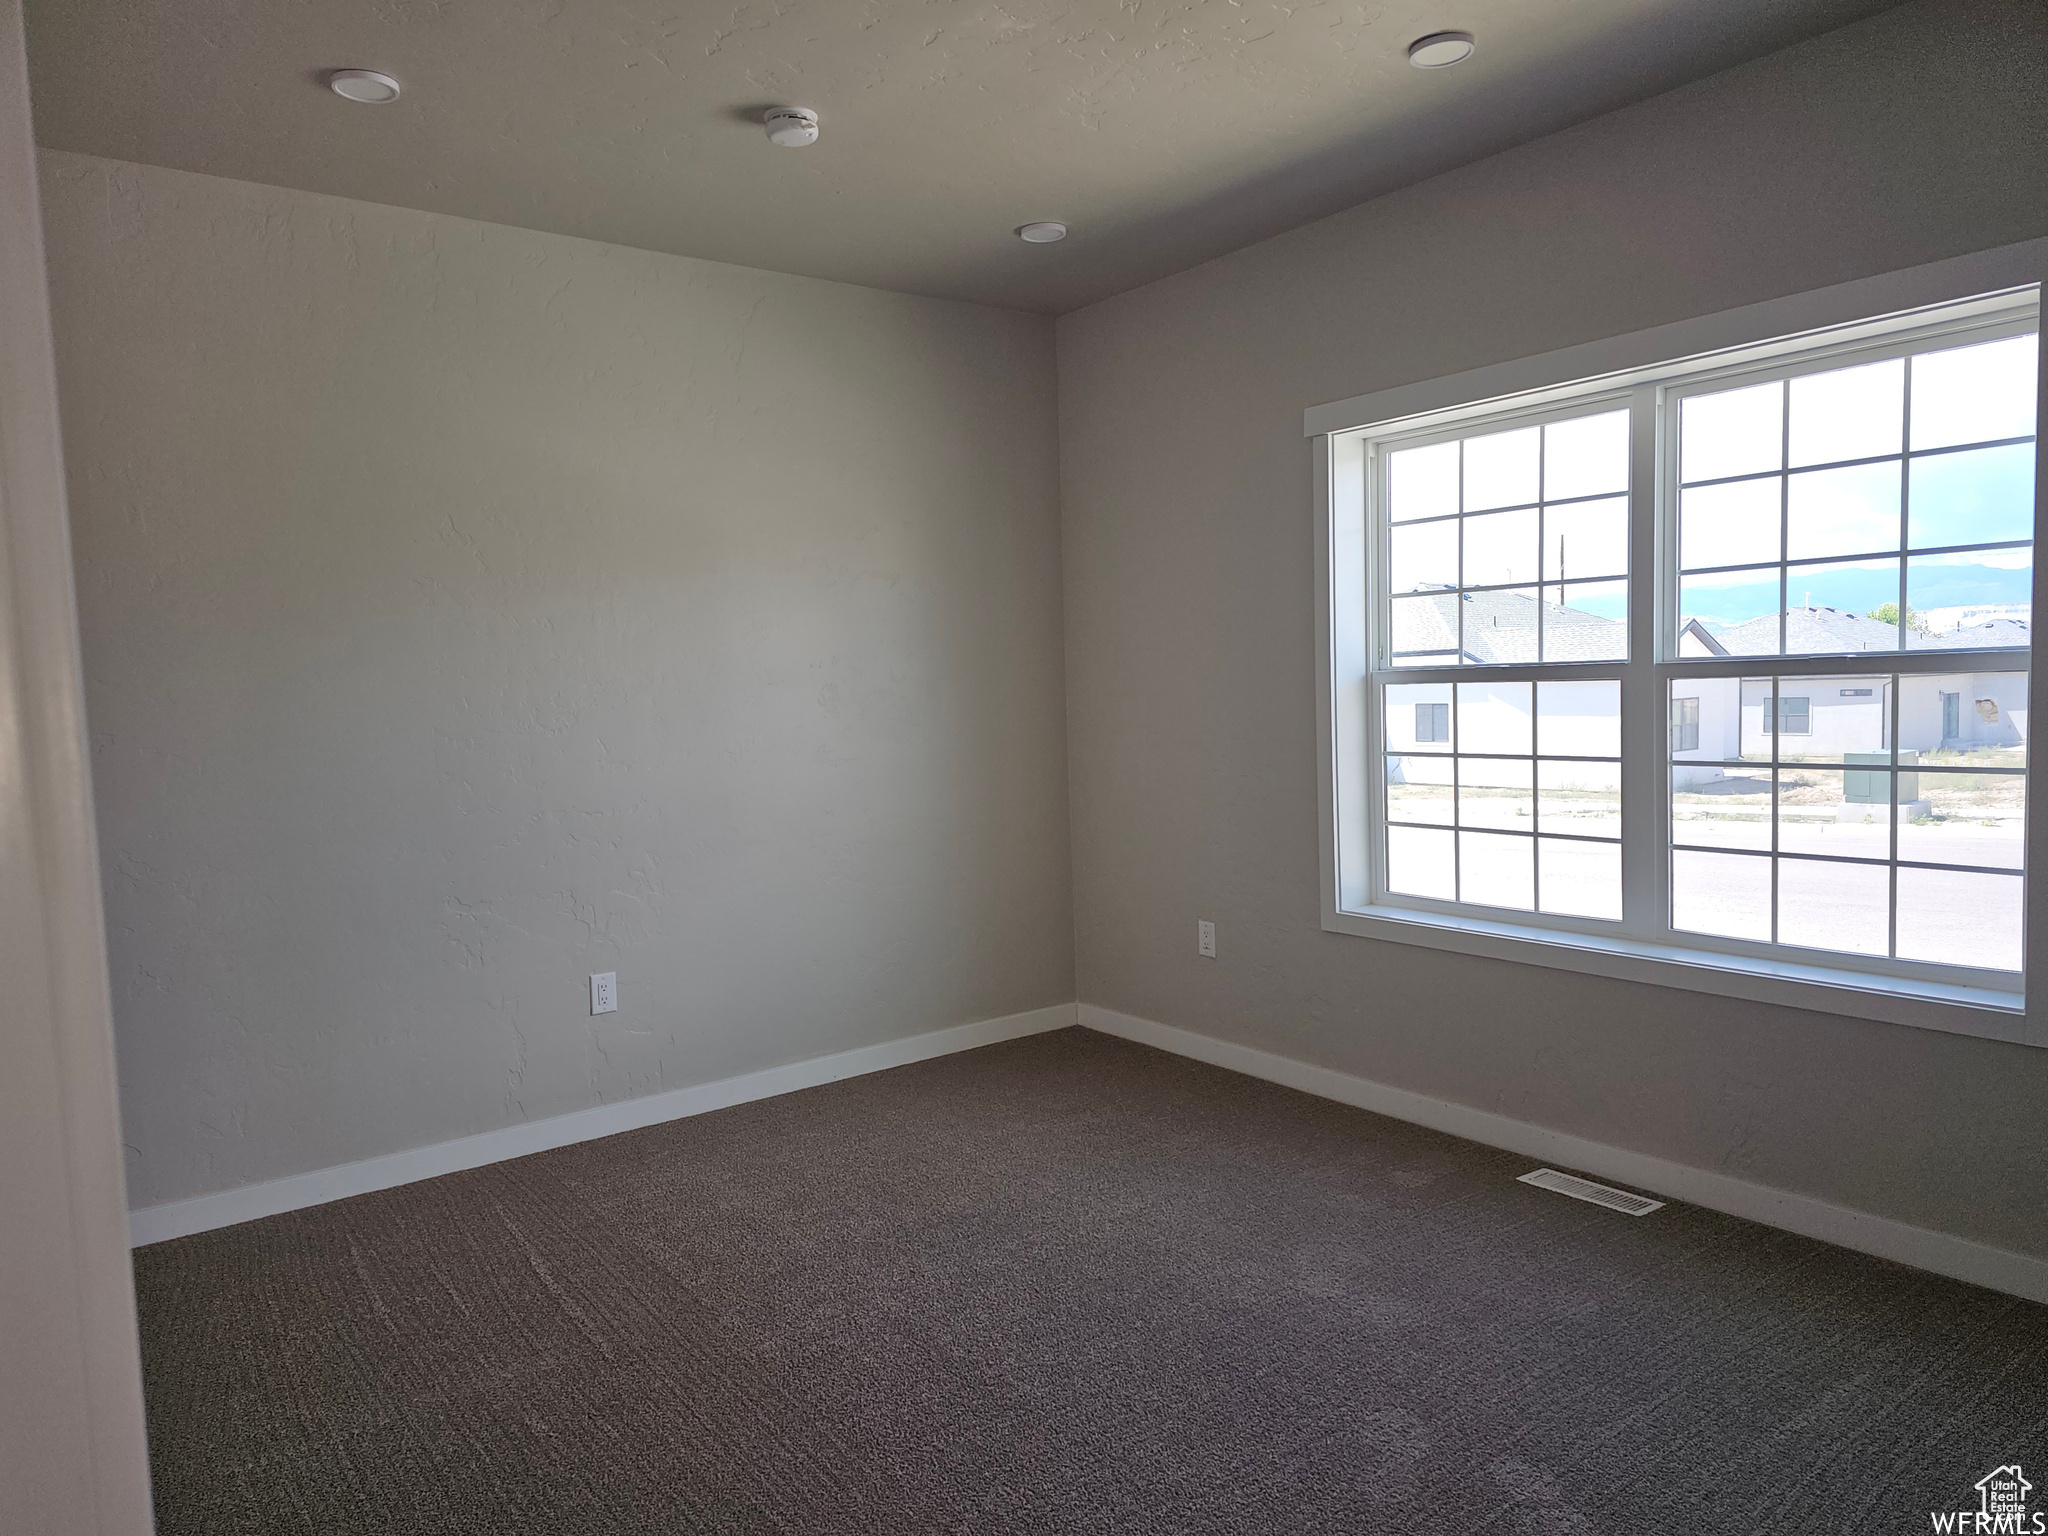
[1970,297]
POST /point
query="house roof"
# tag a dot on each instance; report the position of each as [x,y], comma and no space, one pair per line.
[1817,630]
[1501,627]
[1991,632]
[1809,629]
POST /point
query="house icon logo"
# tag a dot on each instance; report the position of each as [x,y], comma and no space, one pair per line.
[2004,1492]
[2001,1507]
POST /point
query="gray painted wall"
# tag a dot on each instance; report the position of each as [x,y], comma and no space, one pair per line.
[466,610]
[1913,136]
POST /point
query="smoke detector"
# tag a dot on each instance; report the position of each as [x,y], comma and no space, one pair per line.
[1044,232]
[364,85]
[791,127]
[1440,50]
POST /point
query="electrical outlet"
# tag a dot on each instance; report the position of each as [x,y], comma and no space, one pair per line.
[604,993]
[1205,939]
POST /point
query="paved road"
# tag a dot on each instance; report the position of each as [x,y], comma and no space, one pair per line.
[1956,918]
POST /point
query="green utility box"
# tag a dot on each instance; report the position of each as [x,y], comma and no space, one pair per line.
[1870,788]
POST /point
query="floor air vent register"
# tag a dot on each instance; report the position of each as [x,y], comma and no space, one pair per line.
[1585,1189]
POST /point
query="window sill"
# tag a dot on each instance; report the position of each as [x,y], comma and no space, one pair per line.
[1985,1012]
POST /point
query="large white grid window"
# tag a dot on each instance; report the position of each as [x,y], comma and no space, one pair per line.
[1555,607]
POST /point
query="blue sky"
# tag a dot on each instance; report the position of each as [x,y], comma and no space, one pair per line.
[1971,497]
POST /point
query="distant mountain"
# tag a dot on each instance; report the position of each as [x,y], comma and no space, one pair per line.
[1940,586]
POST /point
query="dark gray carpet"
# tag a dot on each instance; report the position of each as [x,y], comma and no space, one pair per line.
[1061,1285]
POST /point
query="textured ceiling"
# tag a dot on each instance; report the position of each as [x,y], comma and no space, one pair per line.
[1164,131]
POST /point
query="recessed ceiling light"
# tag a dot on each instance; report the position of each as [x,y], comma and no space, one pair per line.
[791,127]
[1440,49]
[1042,233]
[364,85]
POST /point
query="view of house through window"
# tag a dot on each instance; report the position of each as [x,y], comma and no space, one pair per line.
[1869,507]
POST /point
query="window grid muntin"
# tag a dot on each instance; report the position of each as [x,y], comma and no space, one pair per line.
[1656,501]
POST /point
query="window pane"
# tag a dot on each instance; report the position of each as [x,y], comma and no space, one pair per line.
[1853,511]
[1965,719]
[1419,789]
[1424,555]
[1500,548]
[1721,807]
[1980,496]
[1794,717]
[1425,631]
[1685,725]
[1587,538]
[1579,719]
[1494,717]
[1495,792]
[1829,608]
[1422,482]
[1835,811]
[1731,613]
[1497,870]
[1411,710]
[1964,818]
[1586,457]
[1736,432]
[1582,799]
[1586,621]
[1851,413]
[1422,863]
[1721,893]
[1975,394]
[1960,919]
[1580,879]
[1843,907]
[1501,469]
[1978,597]
[1733,524]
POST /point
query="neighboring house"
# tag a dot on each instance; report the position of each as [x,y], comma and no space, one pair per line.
[1941,620]
[1712,719]
[1825,717]
[1834,631]
[1578,718]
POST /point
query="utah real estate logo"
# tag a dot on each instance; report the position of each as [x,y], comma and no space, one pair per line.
[2002,1508]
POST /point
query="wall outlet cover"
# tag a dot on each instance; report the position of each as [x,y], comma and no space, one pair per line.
[604,993]
[1205,939]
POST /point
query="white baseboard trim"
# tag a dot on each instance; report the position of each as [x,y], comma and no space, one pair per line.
[1997,1269]
[202,1213]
